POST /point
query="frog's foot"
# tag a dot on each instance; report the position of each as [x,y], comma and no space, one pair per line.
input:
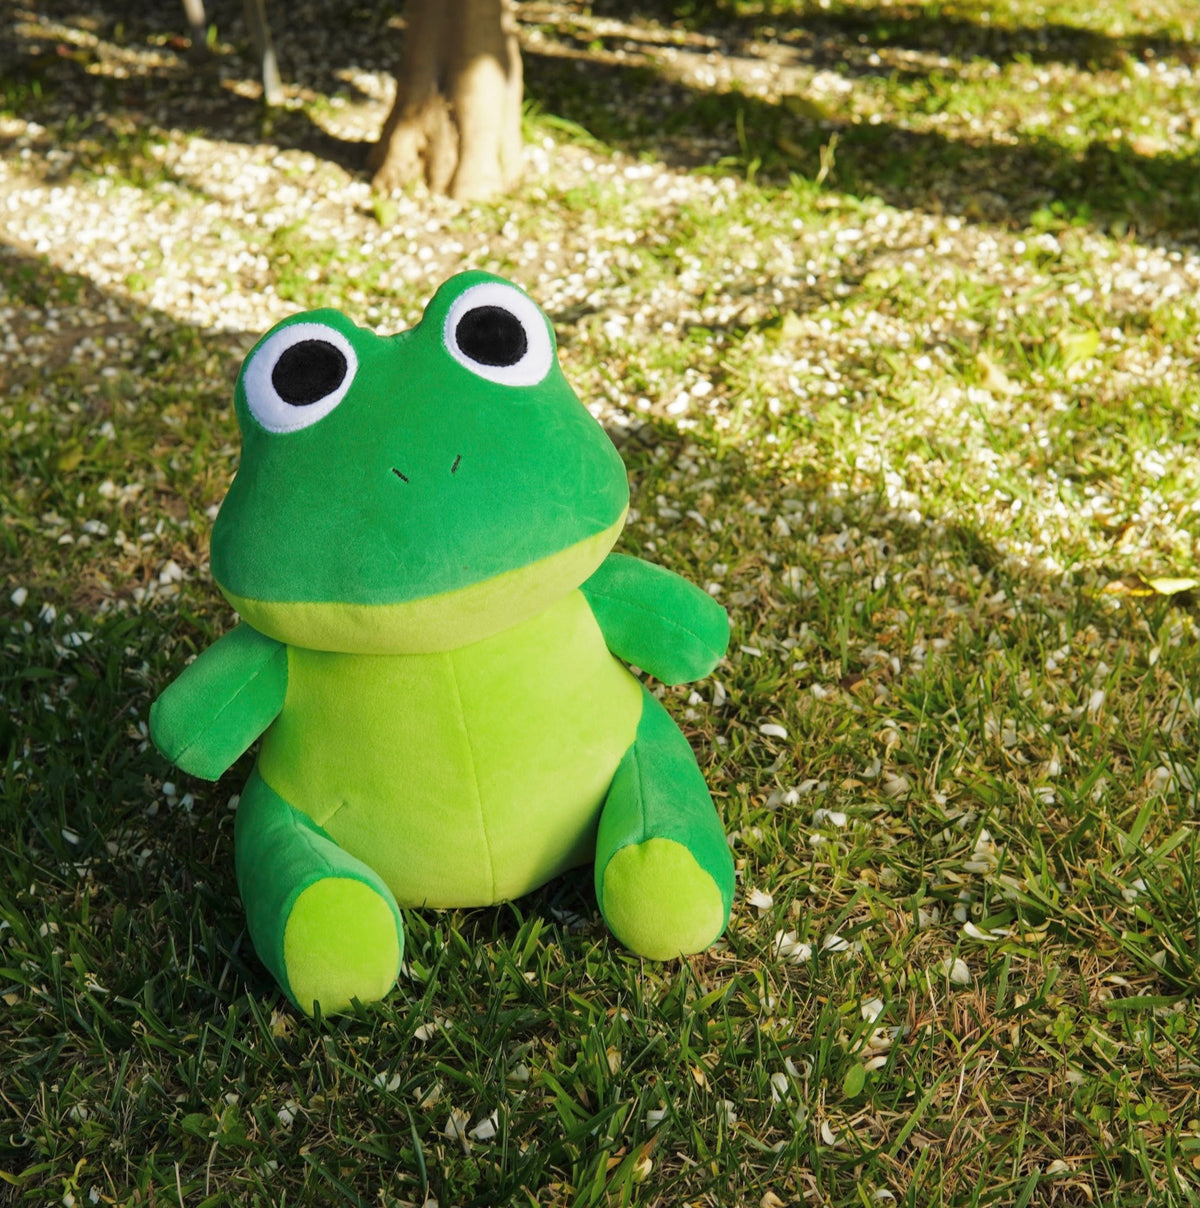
[664,872]
[325,925]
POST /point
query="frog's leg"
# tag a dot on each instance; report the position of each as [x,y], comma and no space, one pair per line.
[664,872]
[324,924]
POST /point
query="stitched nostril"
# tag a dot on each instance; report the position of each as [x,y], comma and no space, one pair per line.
[454,468]
[402,477]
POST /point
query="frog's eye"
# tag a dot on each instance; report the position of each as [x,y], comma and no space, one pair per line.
[298,376]
[498,333]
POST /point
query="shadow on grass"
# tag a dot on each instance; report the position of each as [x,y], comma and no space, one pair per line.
[839,35]
[132,993]
[1109,185]
[84,793]
[117,113]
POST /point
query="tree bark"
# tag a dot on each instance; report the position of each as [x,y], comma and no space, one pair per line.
[456,121]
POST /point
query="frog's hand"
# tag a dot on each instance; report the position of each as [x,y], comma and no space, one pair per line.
[664,872]
[654,619]
[221,703]
[323,922]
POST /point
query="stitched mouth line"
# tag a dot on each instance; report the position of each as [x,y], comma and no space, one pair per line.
[402,477]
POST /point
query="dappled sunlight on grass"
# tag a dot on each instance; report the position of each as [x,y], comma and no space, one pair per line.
[901,356]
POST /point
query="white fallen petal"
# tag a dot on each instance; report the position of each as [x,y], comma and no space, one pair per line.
[779,1087]
[788,947]
[485,1130]
[977,933]
[456,1125]
[880,1040]
[655,1116]
[771,730]
[835,943]
[832,817]
[872,1009]
[426,1030]
[760,899]
[956,970]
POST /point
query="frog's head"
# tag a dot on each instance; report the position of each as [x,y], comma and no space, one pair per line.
[413,492]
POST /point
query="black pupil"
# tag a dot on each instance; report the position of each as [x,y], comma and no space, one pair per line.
[491,335]
[308,371]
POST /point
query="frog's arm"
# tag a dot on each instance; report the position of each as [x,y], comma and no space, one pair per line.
[221,703]
[654,619]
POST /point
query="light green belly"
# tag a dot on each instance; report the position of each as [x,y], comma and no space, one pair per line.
[466,777]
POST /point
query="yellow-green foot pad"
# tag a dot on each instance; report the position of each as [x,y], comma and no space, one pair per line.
[341,942]
[659,902]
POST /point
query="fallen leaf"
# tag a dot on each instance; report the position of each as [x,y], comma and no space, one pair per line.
[786,330]
[1139,585]
[854,1081]
[69,460]
[1076,346]
[1172,587]
[992,377]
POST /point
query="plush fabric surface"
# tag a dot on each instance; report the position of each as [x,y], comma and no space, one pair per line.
[211,714]
[442,622]
[320,515]
[340,943]
[656,620]
[659,902]
[466,777]
[281,854]
[418,540]
[653,898]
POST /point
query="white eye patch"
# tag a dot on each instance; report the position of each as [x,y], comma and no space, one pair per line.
[498,333]
[298,376]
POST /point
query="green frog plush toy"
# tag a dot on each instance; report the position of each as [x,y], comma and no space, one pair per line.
[418,544]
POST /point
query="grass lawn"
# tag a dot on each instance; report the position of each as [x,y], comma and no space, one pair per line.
[892,312]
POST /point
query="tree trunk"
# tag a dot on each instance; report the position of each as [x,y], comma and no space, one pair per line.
[456,122]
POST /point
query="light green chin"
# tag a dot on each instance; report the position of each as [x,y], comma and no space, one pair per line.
[436,623]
